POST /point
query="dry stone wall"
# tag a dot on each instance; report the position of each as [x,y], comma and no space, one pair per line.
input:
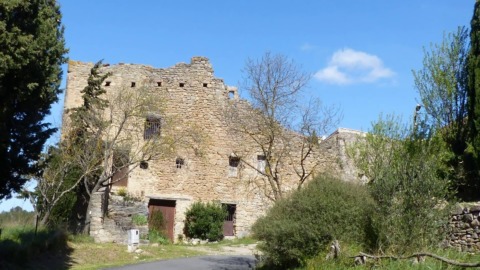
[464,228]
[195,102]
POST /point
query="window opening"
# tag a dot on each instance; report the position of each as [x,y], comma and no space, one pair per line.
[205,84]
[143,165]
[133,84]
[233,163]
[107,83]
[181,84]
[179,162]
[159,84]
[231,95]
[152,127]
[261,163]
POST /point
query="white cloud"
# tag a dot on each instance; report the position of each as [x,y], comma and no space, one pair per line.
[348,66]
[307,47]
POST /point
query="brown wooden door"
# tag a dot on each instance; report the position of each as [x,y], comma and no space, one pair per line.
[228,224]
[167,207]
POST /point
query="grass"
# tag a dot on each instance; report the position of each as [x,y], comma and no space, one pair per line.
[345,262]
[97,256]
[89,255]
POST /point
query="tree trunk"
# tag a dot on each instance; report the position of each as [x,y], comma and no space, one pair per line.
[86,225]
[88,216]
[44,220]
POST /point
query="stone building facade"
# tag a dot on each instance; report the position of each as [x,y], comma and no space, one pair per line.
[208,172]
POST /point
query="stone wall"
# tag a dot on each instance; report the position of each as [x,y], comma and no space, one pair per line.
[195,99]
[113,223]
[464,228]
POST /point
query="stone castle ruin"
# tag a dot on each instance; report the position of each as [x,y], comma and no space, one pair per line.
[208,172]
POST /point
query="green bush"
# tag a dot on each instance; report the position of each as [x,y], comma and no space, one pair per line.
[205,221]
[155,236]
[300,226]
[140,219]
[122,192]
[404,165]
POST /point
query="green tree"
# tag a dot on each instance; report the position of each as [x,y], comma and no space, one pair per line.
[443,84]
[474,99]
[403,164]
[32,50]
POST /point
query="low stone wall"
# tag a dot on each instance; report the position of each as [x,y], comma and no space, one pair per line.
[464,228]
[114,223]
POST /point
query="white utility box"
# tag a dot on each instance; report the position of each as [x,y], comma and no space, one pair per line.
[133,240]
[133,237]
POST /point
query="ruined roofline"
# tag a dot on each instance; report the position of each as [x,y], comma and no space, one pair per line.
[341,130]
[193,61]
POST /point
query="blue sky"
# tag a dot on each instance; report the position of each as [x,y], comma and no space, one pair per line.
[360,52]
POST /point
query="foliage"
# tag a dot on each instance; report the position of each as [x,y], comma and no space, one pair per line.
[205,221]
[155,236]
[16,217]
[347,262]
[301,225]
[31,54]
[139,219]
[122,192]
[109,123]
[20,246]
[53,199]
[404,167]
[443,85]
[474,107]
[278,120]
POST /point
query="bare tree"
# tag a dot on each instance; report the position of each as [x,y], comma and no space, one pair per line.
[110,134]
[282,130]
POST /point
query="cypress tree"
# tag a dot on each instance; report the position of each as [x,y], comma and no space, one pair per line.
[32,50]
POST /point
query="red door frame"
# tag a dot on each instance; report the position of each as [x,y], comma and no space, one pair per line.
[167,207]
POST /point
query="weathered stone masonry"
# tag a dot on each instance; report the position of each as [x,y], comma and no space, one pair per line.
[193,95]
[463,231]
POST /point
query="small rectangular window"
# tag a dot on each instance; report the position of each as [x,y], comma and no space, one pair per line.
[181,84]
[205,84]
[261,163]
[159,84]
[107,83]
[152,128]
[233,163]
[133,84]
[179,162]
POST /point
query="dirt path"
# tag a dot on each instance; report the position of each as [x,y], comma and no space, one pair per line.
[227,250]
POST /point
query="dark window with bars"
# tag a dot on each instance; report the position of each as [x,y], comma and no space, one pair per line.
[153,127]
[179,162]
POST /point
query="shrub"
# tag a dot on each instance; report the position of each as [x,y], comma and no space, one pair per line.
[405,165]
[205,221]
[303,224]
[139,219]
[155,236]
[122,192]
